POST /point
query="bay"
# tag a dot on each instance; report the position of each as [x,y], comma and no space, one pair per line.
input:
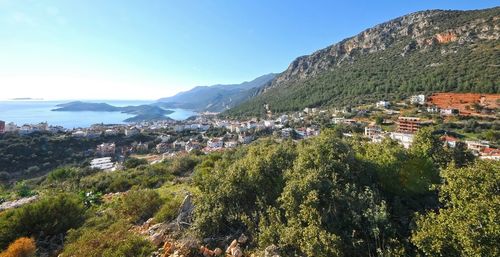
[32,112]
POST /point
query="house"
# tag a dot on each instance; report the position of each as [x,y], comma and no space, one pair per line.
[164,138]
[477,146]
[287,132]
[131,132]
[449,111]
[449,141]
[245,138]
[490,154]
[111,132]
[373,131]
[433,109]
[383,104]
[406,139]
[192,145]
[230,144]
[282,119]
[417,99]
[408,124]
[163,147]
[102,164]
[338,120]
[79,133]
[141,147]
[11,127]
[106,149]
[215,143]
[178,145]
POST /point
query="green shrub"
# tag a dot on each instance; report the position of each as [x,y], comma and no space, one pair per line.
[168,210]
[113,241]
[134,162]
[139,205]
[47,217]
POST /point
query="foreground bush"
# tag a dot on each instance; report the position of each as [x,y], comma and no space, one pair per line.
[114,241]
[22,247]
[139,205]
[50,216]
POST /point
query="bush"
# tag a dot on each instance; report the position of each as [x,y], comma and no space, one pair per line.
[62,174]
[184,164]
[134,162]
[114,241]
[139,205]
[50,216]
[22,247]
[168,210]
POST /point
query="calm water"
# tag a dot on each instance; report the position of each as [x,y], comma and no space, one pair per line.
[28,112]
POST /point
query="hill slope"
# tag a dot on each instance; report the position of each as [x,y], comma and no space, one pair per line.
[217,97]
[421,52]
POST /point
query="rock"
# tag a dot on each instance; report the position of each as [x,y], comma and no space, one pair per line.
[236,252]
[186,211]
[271,251]
[243,239]
[157,238]
[231,246]
[18,203]
[218,251]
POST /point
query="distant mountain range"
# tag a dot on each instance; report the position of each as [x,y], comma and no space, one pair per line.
[424,52]
[216,98]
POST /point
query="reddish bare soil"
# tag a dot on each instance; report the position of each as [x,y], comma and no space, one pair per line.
[464,102]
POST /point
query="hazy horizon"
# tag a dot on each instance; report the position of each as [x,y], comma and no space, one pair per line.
[112,50]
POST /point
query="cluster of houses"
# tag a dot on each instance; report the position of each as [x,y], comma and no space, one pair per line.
[27,129]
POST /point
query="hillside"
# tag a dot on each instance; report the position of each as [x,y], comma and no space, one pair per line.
[215,98]
[428,51]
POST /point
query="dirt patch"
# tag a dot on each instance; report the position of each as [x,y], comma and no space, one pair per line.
[465,102]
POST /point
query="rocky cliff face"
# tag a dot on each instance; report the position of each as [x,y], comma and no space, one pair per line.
[419,31]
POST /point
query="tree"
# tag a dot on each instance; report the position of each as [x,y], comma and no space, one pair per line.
[328,207]
[467,225]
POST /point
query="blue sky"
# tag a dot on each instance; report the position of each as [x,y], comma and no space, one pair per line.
[118,49]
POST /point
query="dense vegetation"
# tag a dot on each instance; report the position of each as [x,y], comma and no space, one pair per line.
[387,74]
[326,196]
[32,155]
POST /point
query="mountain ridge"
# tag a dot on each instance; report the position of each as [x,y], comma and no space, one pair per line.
[444,44]
[215,98]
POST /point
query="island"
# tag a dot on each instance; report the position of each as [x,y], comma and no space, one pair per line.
[142,112]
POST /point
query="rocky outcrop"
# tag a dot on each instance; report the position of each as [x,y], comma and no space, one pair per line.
[186,212]
[420,29]
[17,203]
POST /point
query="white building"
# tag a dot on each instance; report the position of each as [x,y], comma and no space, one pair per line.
[477,146]
[79,133]
[405,139]
[131,132]
[449,112]
[11,127]
[245,138]
[433,109]
[230,144]
[215,143]
[102,164]
[417,99]
[383,104]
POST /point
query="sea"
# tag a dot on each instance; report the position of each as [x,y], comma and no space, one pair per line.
[35,111]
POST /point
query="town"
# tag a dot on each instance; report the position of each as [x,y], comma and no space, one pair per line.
[460,119]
